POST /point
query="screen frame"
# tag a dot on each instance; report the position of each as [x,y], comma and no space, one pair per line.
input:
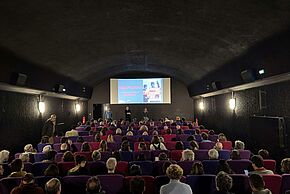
[167,103]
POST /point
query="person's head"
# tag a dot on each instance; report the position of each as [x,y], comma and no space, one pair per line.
[24,157]
[28,148]
[285,165]
[16,165]
[155,139]
[28,178]
[80,160]
[222,137]
[174,172]
[46,149]
[135,170]
[96,155]
[235,155]
[137,185]
[204,136]
[218,146]
[63,147]
[193,145]
[224,182]
[197,169]
[111,165]
[51,155]
[110,138]
[187,155]
[103,145]
[191,138]
[53,118]
[143,128]
[52,170]
[127,107]
[179,145]
[142,146]
[264,153]
[145,133]
[44,139]
[129,133]
[93,185]
[98,137]
[256,182]
[86,147]
[80,139]
[118,131]
[116,154]
[68,157]
[257,161]
[53,186]
[63,140]
[178,127]
[162,156]
[213,154]
[239,145]
[125,146]
[155,133]
[1,170]
[168,131]
[224,166]
[211,132]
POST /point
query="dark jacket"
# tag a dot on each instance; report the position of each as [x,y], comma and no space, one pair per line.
[47,129]
[27,189]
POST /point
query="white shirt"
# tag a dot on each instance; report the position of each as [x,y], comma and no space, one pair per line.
[162,146]
[175,187]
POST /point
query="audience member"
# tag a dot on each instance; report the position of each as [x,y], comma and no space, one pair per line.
[96,155]
[98,137]
[52,170]
[71,133]
[110,139]
[156,144]
[135,170]
[28,148]
[80,139]
[218,146]
[50,156]
[80,168]
[193,145]
[224,183]
[68,157]
[111,165]
[125,146]
[27,186]
[93,186]
[142,146]
[44,139]
[162,156]
[235,155]
[187,155]
[137,185]
[24,157]
[239,145]
[63,148]
[197,169]
[258,166]
[258,185]
[53,186]
[204,137]
[165,165]
[179,145]
[103,147]
[116,154]
[1,171]
[225,167]
[285,166]
[222,137]
[129,133]
[118,131]
[213,154]
[46,149]
[17,168]
[264,153]
[175,172]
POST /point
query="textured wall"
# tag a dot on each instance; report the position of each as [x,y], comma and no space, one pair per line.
[181,105]
[21,122]
[218,116]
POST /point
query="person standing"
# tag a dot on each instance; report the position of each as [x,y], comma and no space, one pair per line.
[49,128]
[128,114]
[145,115]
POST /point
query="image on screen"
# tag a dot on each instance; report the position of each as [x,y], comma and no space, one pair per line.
[140,91]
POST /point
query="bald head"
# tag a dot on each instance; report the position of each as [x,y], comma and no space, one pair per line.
[53,186]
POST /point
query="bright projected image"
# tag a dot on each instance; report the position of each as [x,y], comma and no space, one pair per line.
[140,91]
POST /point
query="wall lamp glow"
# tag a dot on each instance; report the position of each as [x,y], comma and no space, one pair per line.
[232,102]
[41,105]
[78,107]
[201,105]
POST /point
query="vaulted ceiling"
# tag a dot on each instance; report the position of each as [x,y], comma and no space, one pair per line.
[90,40]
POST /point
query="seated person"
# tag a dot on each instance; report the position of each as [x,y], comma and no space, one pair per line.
[175,172]
[80,168]
[125,146]
[71,133]
[193,145]
[4,156]
[225,167]
[24,157]
[86,147]
[96,155]
[222,137]
[63,148]
[224,183]
[142,146]
[103,147]
[258,166]
[218,146]
[135,170]
[162,156]
[50,156]
[179,145]
[187,155]
[264,153]
[285,166]
[17,168]
[197,169]
[68,157]
[156,144]
[52,170]
[111,165]
[110,139]
[258,185]
[46,149]
[213,154]
[93,186]
[239,145]
[53,186]
[27,185]
[204,137]
[137,185]
[235,155]
[29,149]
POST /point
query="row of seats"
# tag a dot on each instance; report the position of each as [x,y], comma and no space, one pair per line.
[148,155]
[118,184]
[148,167]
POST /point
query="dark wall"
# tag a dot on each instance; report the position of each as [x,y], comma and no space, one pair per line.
[236,125]
[21,122]
[182,104]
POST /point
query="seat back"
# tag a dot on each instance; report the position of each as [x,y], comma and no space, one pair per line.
[74,184]
[126,156]
[170,145]
[241,184]
[88,155]
[38,157]
[238,166]
[149,183]
[210,166]
[168,137]
[122,167]
[105,156]
[206,145]
[40,146]
[186,166]
[146,166]
[176,155]
[270,165]
[201,155]
[227,145]
[201,183]
[224,154]
[98,167]
[245,154]
[155,153]
[273,182]
[213,138]
[107,180]
[58,157]
[182,137]
[64,167]
[147,154]
[38,168]
[94,145]
[7,184]
[285,185]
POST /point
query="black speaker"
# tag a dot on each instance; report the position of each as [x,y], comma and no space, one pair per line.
[18,79]
[248,75]
[59,88]
[216,86]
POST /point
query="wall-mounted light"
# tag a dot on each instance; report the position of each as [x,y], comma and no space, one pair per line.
[41,105]
[232,102]
[78,107]
[261,71]
[201,105]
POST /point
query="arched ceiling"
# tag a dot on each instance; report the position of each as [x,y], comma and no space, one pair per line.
[90,40]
